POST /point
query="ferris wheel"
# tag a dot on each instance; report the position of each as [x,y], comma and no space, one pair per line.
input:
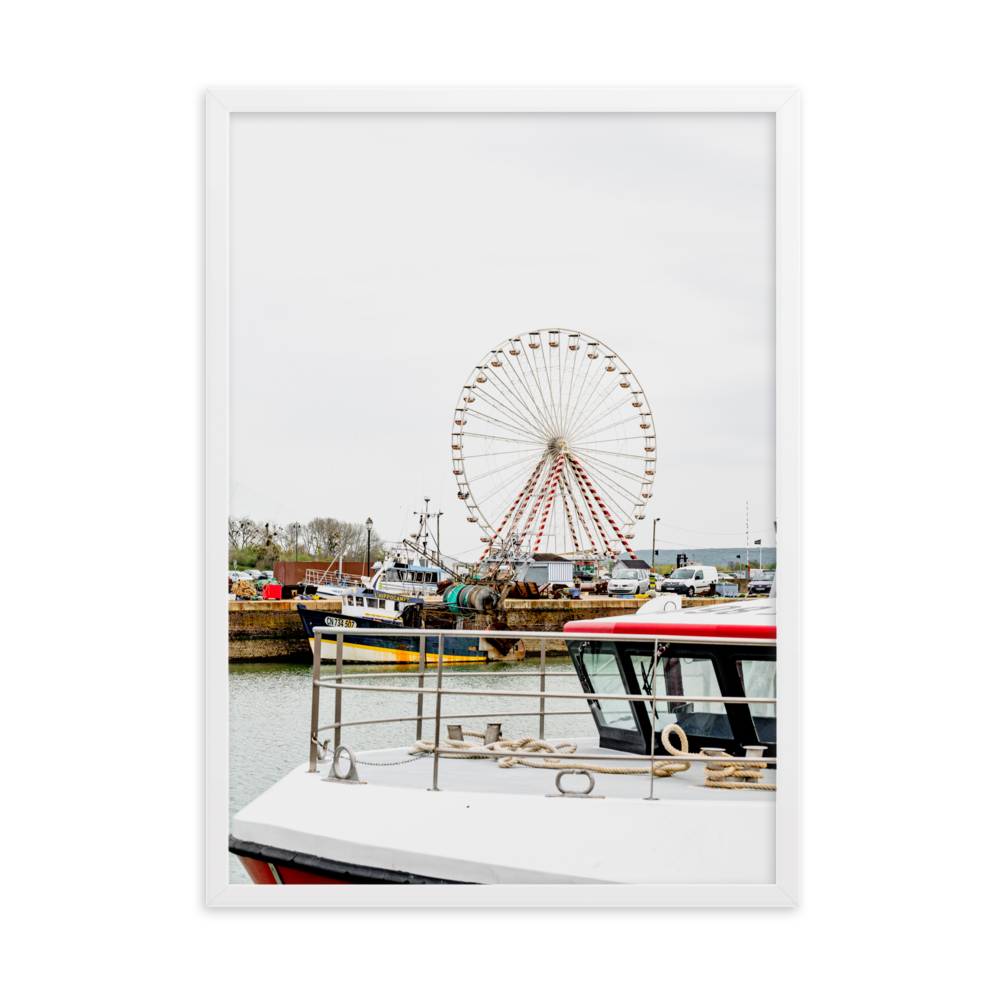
[554,447]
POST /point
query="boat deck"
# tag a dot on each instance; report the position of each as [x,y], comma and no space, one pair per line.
[509,825]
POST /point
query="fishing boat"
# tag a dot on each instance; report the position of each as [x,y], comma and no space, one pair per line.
[393,611]
[395,575]
[673,782]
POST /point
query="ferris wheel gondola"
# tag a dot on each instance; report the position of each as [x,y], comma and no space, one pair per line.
[554,447]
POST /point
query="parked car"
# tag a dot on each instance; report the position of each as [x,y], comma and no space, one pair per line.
[691,581]
[761,582]
[628,582]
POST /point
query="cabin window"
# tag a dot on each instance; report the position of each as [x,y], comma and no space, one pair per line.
[689,677]
[760,680]
[381,603]
[605,678]
[699,575]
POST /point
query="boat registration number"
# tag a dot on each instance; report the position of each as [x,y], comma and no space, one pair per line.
[339,622]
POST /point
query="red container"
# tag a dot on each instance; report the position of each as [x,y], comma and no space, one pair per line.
[272,592]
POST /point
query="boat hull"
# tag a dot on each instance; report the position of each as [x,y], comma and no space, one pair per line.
[392,647]
[374,649]
[272,866]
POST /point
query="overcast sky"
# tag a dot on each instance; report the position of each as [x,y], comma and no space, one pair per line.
[377,257]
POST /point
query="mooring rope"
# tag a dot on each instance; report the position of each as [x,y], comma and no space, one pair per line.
[718,774]
[528,744]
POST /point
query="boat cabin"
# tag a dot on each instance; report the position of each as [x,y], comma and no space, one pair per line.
[421,575]
[376,604]
[725,650]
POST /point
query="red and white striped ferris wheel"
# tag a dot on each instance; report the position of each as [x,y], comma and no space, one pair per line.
[554,447]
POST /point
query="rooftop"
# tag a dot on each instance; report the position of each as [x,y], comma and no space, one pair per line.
[632,563]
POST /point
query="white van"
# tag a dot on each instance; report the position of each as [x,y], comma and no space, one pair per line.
[691,581]
[628,582]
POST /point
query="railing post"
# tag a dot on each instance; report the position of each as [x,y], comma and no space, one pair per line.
[340,694]
[437,711]
[652,725]
[420,684]
[314,719]
[541,701]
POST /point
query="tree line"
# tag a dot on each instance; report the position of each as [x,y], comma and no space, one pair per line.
[258,544]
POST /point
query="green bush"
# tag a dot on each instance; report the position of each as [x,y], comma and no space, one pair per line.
[246,558]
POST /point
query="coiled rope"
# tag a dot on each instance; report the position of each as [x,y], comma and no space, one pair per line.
[718,772]
[528,744]
[718,775]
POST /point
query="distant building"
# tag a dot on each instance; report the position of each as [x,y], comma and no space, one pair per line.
[631,564]
[547,567]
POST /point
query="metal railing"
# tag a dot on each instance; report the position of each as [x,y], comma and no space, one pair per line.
[339,686]
[317,577]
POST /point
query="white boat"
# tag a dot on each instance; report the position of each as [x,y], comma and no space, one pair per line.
[395,575]
[468,818]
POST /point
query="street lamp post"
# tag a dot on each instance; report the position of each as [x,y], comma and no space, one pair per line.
[368,556]
[655,519]
[296,526]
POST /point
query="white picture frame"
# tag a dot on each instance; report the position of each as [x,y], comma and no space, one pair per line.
[221,104]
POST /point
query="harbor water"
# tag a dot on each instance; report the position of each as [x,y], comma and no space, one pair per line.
[269,707]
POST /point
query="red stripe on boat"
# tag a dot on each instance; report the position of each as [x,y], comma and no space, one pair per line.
[260,874]
[610,626]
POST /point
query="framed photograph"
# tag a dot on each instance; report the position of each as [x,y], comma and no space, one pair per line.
[502,434]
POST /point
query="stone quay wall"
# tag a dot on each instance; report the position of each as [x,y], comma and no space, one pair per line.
[272,630]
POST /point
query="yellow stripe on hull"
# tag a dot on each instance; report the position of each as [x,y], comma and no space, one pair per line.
[376,654]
